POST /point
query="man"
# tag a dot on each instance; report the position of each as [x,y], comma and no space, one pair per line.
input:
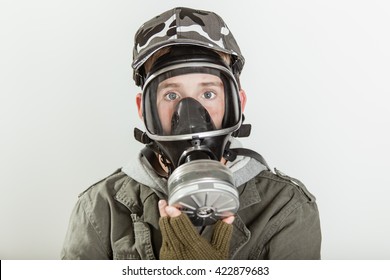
[193,192]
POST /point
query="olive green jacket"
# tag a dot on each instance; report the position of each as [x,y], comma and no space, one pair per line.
[117,218]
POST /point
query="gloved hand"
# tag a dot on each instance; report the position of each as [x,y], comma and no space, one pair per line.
[181,241]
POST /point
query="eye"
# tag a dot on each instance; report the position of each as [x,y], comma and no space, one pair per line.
[208,95]
[171,96]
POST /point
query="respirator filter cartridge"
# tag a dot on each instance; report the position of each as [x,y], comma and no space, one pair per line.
[204,190]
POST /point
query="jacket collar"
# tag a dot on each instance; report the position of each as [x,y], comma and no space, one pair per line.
[249,194]
[131,196]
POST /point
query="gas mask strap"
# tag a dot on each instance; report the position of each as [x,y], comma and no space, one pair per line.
[231,155]
[149,152]
[153,160]
[141,136]
[244,130]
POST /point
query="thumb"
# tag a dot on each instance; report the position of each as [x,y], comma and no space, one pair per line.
[229,220]
[166,210]
[172,211]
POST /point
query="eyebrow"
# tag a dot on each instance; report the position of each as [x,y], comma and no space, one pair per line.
[212,84]
[168,85]
[177,85]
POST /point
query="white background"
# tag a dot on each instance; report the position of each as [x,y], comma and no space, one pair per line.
[317,80]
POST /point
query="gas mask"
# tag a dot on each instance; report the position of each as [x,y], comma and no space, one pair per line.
[191,107]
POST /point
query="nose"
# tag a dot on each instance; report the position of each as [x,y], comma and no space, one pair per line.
[190,117]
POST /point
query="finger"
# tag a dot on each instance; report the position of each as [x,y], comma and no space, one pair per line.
[229,220]
[172,211]
[161,208]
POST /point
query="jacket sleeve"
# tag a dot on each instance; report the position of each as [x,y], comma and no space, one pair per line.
[82,240]
[298,237]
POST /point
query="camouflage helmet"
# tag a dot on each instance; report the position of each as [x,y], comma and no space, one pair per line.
[184,26]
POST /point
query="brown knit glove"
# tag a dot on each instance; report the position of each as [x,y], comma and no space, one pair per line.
[181,241]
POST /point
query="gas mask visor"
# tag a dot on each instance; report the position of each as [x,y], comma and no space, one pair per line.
[191,99]
[190,110]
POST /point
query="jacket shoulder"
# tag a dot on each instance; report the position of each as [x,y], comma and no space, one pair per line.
[117,187]
[279,178]
[287,224]
[109,185]
[91,227]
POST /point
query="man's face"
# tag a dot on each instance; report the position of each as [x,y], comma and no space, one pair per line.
[205,88]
